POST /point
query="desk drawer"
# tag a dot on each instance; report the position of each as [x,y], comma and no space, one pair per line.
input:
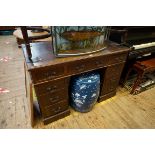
[52,98]
[86,65]
[78,66]
[98,62]
[109,85]
[114,70]
[47,73]
[55,109]
[117,58]
[51,86]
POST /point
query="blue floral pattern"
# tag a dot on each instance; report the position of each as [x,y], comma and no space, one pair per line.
[85,90]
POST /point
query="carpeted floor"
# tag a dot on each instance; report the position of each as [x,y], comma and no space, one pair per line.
[148,82]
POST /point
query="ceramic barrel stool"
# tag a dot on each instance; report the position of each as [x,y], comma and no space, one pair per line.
[85,90]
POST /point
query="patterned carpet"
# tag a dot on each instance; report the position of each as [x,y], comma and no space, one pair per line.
[148,82]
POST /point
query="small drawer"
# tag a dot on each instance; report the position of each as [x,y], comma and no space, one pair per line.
[98,62]
[117,58]
[78,67]
[55,109]
[47,73]
[51,86]
[86,65]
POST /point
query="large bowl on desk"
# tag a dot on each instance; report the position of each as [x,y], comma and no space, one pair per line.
[78,40]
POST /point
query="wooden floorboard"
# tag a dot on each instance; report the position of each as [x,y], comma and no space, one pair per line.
[120,112]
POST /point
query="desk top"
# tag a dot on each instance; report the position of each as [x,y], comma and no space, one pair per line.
[43,51]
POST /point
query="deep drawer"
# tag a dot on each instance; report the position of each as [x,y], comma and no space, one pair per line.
[55,109]
[47,73]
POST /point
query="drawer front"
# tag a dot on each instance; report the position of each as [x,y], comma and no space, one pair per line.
[109,85]
[52,98]
[55,109]
[51,86]
[114,70]
[117,58]
[98,62]
[47,73]
[78,67]
[111,78]
[86,65]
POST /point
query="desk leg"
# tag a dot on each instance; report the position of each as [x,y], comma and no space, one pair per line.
[127,76]
[137,82]
[31,109]
[29,95]
[25,78]
[19,42]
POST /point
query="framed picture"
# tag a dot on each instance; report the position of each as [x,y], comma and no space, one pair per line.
[78,40]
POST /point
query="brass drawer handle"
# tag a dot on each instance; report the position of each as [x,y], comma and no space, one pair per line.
[98,63]
[112,87]
[57,109]
[79,68]
[54,99]
[49,74]
[51,88]
[119,58]
[53,73]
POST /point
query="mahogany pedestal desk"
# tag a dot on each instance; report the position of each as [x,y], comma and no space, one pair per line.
[50,76]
